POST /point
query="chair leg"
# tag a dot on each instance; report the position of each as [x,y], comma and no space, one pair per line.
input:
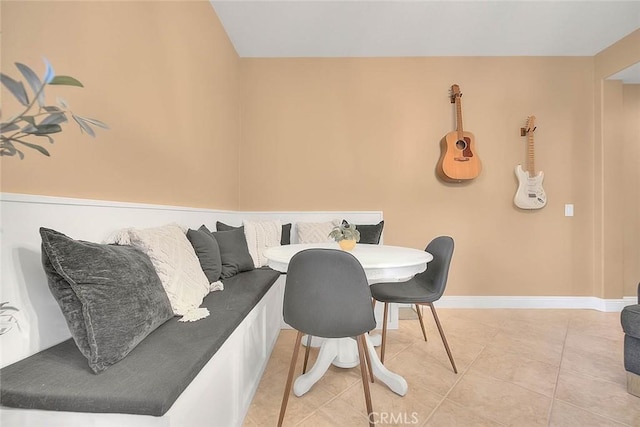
[363,371]
[368,360]
[306,354]
[384,331]
[444,340]
[287,387]
[419,311]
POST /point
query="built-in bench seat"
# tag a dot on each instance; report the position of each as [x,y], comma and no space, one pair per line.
[152,376]
[210,373]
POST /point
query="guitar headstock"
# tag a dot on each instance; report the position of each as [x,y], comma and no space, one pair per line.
[455,93]
[531,124]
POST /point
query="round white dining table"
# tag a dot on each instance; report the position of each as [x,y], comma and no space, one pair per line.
[381,263]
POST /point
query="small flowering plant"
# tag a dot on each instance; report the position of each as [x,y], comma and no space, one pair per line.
[7,318]
[345,231]
[42,122]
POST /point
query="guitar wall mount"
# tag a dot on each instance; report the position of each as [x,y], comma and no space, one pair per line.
[523,131]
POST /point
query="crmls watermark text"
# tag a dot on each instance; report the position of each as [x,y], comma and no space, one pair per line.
[394,418]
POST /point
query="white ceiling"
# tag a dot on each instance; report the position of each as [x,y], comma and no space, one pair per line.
[360,28]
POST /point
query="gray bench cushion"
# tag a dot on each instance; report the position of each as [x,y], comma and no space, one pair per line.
[630,319]
[151,377]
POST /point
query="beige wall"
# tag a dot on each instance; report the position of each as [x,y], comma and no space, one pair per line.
[194,125]
[364,134]
[609,179]
[163,75]
[630,155]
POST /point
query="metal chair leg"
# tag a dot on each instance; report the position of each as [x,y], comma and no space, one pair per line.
[363,371]
[306,354]
[444,340]
[368,360]
[419,311]
[287,387]
[384,331]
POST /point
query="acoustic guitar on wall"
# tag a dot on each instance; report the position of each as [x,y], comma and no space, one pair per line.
[458,160]
[530,194]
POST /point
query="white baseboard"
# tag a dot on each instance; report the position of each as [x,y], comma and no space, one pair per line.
[537,302]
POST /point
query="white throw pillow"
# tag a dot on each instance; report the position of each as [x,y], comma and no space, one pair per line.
[315,232]
[261,235]
[176,263]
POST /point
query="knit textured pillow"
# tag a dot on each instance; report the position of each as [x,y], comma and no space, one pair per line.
[315,232]
[177,265]
[261,235]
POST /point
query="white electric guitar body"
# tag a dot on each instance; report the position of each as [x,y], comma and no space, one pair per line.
[530,194]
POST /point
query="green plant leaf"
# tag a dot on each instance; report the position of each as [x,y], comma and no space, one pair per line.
[5,127]
[51,108]
[41,129]
[34,81]
[29,119]
[84,126]
[34,146]
[53,119]
[46,129]
[16,88]
[4,306]
[51,141]
[29,128]
[49,74]
[8,149]
[65,80]
[94,122]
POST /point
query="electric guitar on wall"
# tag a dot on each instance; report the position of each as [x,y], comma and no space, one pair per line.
[530,194]
[458,161]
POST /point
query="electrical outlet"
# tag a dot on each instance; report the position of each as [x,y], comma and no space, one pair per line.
[568,210]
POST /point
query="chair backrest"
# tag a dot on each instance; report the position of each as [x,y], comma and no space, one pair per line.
[327,294]
[438,269]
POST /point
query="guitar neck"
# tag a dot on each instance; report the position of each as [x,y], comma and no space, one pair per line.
[530,155]
[459,128]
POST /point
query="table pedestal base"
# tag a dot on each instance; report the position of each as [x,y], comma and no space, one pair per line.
[347,355]
[339,352]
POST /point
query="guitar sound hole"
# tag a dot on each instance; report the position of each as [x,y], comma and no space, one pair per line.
[461,144]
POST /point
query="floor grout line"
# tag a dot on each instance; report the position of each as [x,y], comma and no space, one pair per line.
[462,374]
[483,349]
[555,387]
[594,413]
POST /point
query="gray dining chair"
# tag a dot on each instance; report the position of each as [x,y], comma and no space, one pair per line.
[422,289]
[327,295]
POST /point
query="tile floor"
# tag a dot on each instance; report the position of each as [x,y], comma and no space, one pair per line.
[516,368]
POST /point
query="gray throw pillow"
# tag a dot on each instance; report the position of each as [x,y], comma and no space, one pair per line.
[286,234]
[221,226]
[208,251]
[370,233]
[234,252]
[284,240]
[110,295]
